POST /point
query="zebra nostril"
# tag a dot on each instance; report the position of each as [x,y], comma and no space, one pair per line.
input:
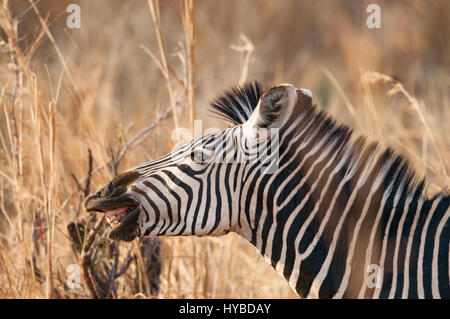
[88,203]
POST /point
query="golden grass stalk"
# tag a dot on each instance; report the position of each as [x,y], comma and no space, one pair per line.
[58,51]
[348,104]
[397,87]
[188,27]
[245,48]
[154,12]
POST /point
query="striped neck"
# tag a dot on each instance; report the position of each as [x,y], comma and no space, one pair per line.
[340,219]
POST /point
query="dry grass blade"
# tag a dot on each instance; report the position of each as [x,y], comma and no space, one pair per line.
[134,142]
[58,51]
[339,89]
[397,87]
[188,27]
[246,49]
[154,12]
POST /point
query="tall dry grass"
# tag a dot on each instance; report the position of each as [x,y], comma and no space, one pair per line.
[105,88]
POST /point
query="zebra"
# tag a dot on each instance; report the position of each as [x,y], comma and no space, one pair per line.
[336,216]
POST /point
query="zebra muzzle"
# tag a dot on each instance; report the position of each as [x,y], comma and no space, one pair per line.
[121,212]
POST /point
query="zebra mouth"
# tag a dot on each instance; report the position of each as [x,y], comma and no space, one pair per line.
[122,213]
[115,216]
[124,223]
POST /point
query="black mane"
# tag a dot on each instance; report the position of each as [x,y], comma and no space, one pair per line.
[237,104]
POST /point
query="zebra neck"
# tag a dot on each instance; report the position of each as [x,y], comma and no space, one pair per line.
[332,210]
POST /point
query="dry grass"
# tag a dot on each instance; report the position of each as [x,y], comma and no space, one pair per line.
[64,92]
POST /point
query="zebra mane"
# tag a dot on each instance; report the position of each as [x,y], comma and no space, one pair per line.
[396,170]
[237,104]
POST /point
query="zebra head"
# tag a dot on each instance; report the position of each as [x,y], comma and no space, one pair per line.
[195,189]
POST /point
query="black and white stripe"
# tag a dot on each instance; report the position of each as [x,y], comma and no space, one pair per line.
[333,207]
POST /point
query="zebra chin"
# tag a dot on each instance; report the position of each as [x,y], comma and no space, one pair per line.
[128,228]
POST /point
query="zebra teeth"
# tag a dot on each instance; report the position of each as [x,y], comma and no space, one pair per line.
[112,221]
[115,216]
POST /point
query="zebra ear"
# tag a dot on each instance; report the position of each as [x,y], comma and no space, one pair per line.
[274,107]
[304,98]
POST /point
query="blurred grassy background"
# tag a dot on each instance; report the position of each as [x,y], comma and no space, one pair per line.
[111,88]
